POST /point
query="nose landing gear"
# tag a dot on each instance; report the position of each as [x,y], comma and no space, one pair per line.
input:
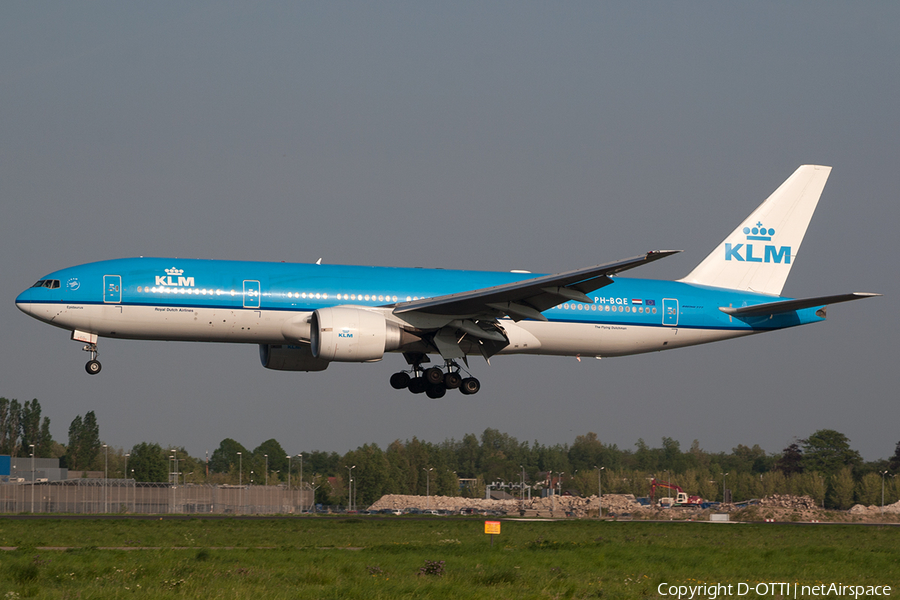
[434,381]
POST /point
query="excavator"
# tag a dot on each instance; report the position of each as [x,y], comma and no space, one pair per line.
[681,497]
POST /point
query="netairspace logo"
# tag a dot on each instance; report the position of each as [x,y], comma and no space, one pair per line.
[782,589]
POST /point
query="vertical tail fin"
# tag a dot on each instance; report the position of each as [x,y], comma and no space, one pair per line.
[758,255]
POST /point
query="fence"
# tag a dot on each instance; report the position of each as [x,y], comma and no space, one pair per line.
[104,496]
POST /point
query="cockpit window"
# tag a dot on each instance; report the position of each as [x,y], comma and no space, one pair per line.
[47,283]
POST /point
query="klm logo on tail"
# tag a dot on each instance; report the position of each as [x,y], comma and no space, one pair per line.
[747,252]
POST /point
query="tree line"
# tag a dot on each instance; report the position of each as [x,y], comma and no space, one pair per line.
[823,465]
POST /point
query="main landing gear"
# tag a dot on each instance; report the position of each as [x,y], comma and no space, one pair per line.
[93,366]
[434,381]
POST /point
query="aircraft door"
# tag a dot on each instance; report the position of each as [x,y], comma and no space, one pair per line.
[251,294]
[112,289]
[670,312]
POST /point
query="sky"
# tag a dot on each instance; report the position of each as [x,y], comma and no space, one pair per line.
[467,135]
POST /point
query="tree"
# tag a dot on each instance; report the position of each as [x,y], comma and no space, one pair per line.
[894,464]
[277,457]
[791,461]
[226,455]
[30,427]
[10,416]
[842,486]
[586,452]
[149,462]
[827,451]
[83,452]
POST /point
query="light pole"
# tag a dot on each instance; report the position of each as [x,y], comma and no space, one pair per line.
[134,494]
[522,494]
[724,475]
[290,498]
[350,488]
[428,486]
[241,480]
[301,478]
[267,468]
[599,491]
[32,482]
[105,477]
[125,477]
[883,473]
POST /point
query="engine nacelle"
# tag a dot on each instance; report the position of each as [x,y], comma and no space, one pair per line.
[290,358]
[351,334]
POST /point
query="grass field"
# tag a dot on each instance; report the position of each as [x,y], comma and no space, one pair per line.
[326,557]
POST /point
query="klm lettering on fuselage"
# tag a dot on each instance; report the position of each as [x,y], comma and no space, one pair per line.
[174,278]
[770,254]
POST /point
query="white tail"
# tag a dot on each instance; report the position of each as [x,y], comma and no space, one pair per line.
[758,255]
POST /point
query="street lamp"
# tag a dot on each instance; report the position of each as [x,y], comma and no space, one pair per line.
[428,486]
[290,496]
[350,488]
[599,491]
[301,478]
[241,480]
[883,473]
[125,477]
[522,491]
[32,481]
[105,477]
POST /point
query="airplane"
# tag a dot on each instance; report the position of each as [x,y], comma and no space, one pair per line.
[303,317]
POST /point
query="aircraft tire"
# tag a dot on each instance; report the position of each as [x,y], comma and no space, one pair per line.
[92,367]
[470,386]
[434,376]
[417,385]
[452,381]
[400,380]
[436,391]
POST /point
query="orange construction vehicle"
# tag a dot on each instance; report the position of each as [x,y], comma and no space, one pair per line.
[681,497]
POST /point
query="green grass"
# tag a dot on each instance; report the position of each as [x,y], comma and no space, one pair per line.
[383,558]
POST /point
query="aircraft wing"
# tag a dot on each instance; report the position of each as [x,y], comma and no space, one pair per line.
[527,299]
[783,306]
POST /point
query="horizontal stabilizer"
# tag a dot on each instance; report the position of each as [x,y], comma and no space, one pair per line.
[783,306]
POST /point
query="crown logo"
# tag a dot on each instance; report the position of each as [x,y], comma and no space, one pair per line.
[758,232]
[174,272]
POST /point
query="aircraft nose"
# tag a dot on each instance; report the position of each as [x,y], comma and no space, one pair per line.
[24,301]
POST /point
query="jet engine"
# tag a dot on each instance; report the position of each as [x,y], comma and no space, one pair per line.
[290,358]
[351,334]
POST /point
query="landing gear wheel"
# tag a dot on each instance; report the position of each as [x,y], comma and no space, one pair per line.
[470,386]
[417,385]
[400,380]
[92,367]
[452,380]
[436,391]
[434,376]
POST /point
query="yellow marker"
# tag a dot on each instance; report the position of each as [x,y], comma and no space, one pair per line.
[492,527]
